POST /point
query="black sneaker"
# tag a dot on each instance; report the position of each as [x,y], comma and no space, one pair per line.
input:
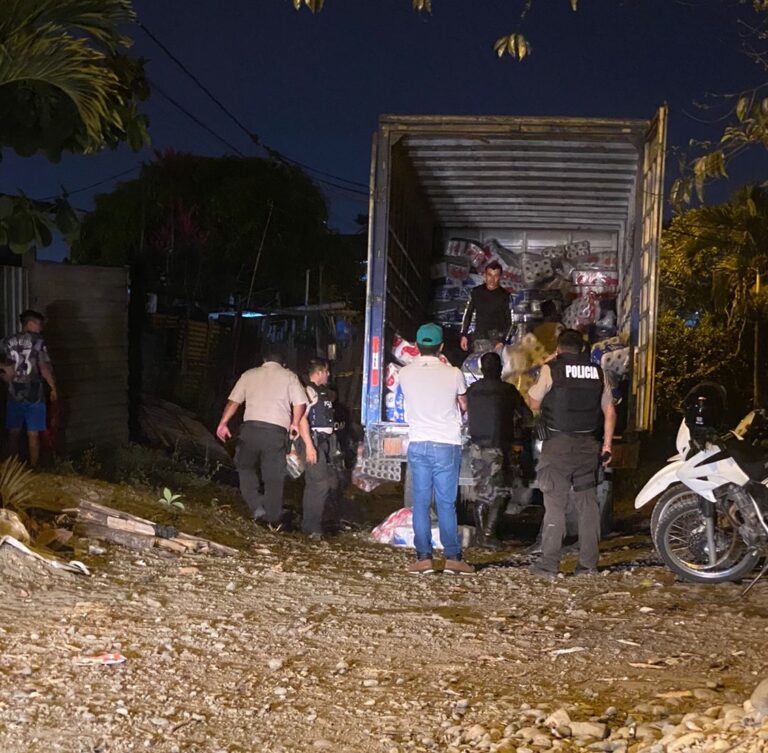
[540,572]
[585,570]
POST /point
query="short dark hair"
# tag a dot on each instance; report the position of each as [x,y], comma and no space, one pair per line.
[494,265]
[274,353]
[490,365]
[315,365]
[570,341]
[429,350]
[30,315]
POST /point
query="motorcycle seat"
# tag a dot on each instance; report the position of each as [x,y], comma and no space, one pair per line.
[752,460]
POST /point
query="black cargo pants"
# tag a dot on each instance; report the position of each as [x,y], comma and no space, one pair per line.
[322,484]
[567,470]
[260,458]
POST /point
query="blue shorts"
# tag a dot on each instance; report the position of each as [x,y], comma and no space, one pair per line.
[20,413]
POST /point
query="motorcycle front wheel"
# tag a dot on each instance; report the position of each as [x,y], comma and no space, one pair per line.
[668,498]
[684,544]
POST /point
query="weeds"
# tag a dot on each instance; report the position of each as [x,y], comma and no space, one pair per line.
[15,489]
[169,499]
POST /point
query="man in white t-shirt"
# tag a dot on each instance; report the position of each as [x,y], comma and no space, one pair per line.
[434,398]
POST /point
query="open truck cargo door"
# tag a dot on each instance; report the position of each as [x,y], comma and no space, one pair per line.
[646,273]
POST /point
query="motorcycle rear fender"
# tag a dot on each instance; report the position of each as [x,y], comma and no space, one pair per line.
[660,481]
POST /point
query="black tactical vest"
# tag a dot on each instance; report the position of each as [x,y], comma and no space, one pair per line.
[573,403]
[320,415]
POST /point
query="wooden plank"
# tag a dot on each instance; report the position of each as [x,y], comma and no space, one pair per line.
[104,533]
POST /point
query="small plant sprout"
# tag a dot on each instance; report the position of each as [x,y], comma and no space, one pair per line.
[169,499]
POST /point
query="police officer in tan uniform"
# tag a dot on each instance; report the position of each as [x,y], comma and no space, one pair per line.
[577,408]
[275,402]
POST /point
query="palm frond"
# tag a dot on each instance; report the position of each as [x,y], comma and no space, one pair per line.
[66,45]
[98,19]
[15,486]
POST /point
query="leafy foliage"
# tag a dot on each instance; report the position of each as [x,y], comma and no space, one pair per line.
[711,258]
[15,489]
[198,222]
[65,82]
[169,499]
[66,85]
[686,355]
[516,45]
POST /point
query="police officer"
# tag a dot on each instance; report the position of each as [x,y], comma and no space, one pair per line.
[576,406]
[496,413]
[275,402]
[322,474]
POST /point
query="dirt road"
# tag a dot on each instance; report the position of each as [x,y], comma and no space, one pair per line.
[298,646]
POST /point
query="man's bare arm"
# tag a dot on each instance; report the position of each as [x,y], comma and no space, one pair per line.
[609,425]
[298,411]
[309,445]
[222,430]
[46,371]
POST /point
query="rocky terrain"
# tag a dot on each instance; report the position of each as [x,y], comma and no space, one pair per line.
[300,646]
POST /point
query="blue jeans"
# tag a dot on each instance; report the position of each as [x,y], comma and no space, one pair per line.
[434,466]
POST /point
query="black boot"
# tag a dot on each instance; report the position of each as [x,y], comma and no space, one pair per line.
[486,517]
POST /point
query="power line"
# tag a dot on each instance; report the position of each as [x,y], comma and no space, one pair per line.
[250,134]
[94,185]
[200,84]
[194,118]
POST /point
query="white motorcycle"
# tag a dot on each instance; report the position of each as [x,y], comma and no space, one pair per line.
[709,523]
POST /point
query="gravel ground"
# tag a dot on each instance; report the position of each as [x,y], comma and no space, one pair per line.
[300,646]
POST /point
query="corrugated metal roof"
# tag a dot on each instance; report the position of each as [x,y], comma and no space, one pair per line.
[511,173]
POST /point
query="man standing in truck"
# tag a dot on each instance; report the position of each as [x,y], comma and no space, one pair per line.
[576,407]
[434,398]
[489,304]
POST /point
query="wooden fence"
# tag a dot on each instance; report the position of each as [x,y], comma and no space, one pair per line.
[86,310]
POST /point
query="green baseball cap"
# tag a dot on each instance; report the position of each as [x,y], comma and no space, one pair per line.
[429,334]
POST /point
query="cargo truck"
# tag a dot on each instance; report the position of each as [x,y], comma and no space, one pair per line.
[527,182]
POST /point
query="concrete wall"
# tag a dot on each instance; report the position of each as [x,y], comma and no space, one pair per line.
[86,329]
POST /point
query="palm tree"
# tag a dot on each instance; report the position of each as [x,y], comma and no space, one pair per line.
[731,239]
[64,57]
[65,85]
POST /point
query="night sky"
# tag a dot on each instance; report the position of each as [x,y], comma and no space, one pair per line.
[313,87]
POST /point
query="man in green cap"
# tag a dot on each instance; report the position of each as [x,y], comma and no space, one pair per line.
[434,398]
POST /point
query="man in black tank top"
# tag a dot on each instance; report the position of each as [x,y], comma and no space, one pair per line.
[577,408]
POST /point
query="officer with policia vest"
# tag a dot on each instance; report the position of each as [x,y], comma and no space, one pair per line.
[322,474]
[576,408]
[496,413]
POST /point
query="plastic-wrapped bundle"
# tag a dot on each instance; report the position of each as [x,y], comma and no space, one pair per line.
[612,355]
[553,252]
[391,376]
[450,267]
[536,269]
[599,281]
[494,251]
[466,248]
[576,249]
[403,350]
[394,406]
[581,313]
[471,368]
